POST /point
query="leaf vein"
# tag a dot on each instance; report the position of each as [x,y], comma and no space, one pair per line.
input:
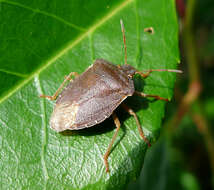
[139,48]
[66,49]
[44,13]
[13,73]
[44,129]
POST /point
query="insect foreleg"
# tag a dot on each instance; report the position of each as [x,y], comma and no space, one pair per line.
[69,77]
[149,95]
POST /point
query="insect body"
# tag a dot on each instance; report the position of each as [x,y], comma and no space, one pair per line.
[94,95]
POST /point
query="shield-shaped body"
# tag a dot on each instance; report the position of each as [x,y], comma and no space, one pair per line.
[91,97]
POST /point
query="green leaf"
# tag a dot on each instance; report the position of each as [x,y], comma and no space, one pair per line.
[41,42]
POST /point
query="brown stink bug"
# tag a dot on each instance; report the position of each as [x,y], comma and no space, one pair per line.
[94,95]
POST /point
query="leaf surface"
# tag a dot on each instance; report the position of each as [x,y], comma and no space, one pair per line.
[43,41]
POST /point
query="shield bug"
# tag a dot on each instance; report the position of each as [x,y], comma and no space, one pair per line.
[94,95]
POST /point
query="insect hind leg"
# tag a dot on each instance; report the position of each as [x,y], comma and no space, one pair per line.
[106,155]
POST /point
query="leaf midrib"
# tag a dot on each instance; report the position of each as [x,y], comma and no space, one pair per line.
[65,49]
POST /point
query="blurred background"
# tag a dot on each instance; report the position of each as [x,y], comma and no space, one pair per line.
[183,158]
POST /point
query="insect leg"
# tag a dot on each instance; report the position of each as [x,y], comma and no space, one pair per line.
[149,95]
[60,88]
[117,123]
[144,75]
[147,72]
[131,112]
[70,78]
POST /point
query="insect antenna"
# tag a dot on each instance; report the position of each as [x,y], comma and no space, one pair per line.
[146,73]
[124,39]
[168,70]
